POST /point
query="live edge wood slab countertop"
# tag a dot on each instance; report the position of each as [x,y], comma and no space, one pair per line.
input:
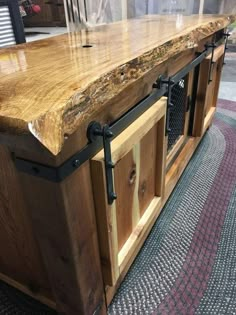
[49,88]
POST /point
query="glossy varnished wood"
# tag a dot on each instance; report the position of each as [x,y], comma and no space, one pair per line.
[50,88]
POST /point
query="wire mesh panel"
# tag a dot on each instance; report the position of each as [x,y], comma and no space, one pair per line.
[177,112]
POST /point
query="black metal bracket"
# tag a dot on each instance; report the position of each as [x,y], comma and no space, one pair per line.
[96,130]
[96,143]
[226,36]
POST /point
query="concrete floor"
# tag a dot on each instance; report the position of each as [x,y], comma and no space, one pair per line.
[228,81]
[46,32]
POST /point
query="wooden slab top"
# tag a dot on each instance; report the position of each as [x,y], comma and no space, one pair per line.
[50,87]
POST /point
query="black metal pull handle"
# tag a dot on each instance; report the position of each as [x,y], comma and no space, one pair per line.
[210,75]
[95,130]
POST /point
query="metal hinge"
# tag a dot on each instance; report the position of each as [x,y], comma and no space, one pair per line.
[96,130]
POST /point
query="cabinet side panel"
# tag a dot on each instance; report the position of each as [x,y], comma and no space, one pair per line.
[20,260]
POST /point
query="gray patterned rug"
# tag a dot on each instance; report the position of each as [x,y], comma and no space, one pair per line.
[188,263]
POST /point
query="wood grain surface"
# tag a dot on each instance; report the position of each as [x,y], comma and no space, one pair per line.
[64,224]
[49,88]
[137,182]
[21,264]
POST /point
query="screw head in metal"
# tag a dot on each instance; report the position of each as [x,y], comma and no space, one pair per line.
[111,164]
[109,133]
[76,163]
[113,196]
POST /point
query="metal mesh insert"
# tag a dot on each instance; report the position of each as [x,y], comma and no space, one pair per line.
[177,112]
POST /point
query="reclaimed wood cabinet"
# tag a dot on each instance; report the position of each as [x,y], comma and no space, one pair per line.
[91,156]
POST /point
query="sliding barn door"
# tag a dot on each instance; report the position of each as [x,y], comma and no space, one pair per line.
[138,177]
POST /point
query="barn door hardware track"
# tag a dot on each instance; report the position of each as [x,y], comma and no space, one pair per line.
[59,173]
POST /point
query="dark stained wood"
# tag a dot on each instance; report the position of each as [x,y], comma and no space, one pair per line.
[50,15]
[21,264]
[52,95]
[64,222]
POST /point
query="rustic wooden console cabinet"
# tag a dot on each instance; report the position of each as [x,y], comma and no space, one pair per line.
[96,128]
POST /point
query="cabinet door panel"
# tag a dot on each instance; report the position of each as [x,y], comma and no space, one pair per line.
[208,88]
[138,177]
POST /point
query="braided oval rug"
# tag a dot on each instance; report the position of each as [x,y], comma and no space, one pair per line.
[188,263]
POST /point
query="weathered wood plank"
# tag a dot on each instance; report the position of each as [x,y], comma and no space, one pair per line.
[125,174]
[147,178]
[207,91]
[64,223]
[51,94]
[21,264]
[121,225]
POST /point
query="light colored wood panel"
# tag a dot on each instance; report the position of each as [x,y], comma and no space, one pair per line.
[130,151]
[130,248]
[136,131]
[71,85]
[106,223]
[128,260]
[161,157]
[147,180]
[136,175]
[208,118]
[125,179]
